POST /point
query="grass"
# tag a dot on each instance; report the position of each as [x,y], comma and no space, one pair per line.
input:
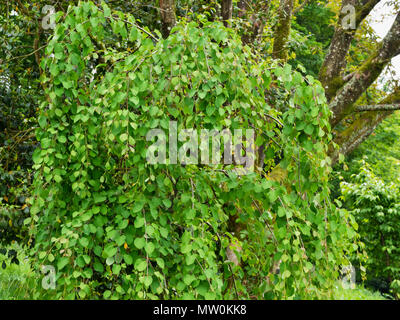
[358,293]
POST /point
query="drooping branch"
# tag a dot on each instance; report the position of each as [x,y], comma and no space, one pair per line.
[226,11]
[168,18]
[378,107]
[343,103]
[282,30]
[347,25]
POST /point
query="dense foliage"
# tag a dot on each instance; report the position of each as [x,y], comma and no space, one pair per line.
[376,207]
[116,226]
[82,106]
[20,93]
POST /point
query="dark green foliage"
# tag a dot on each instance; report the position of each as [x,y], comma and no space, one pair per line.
[382,151]
[312,31]
[19,97]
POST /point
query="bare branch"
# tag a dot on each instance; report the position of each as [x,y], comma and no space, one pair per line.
[362,126]
[378,107]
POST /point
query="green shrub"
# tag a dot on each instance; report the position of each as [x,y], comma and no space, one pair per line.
[376,207]
[116,226]
[17,281]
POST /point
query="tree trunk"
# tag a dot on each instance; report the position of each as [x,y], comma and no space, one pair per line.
[282,30]
[226,12]
[335,61]
[168,18]
[342,103]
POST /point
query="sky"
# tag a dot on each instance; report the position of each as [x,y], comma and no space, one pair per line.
[381,27]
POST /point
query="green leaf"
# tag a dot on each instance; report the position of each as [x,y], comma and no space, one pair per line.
[123,137]
[62,262]
[98,267]
[140,264]
[149,247]
[139,222]
[148,280]
[309,129]
[84,242]
[160,263]
[188,279]
[137,206]
[286,274]
[42,121]
[140,243]
[128,259]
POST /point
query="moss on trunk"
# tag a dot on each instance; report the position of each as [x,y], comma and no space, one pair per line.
[282,30]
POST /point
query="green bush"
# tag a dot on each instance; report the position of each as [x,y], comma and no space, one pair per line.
[17,281]
[376,207]
[116,226]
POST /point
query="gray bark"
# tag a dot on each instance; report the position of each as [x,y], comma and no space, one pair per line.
[342,103]
[335,60]
[378,107]
[168,18]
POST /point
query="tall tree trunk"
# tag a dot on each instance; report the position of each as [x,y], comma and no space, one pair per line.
[226,11]
[335,61]
[282,30]
[343,103]
[168,18]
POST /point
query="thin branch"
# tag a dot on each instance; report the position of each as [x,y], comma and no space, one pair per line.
[29,54]
[275,119]
[378,107]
